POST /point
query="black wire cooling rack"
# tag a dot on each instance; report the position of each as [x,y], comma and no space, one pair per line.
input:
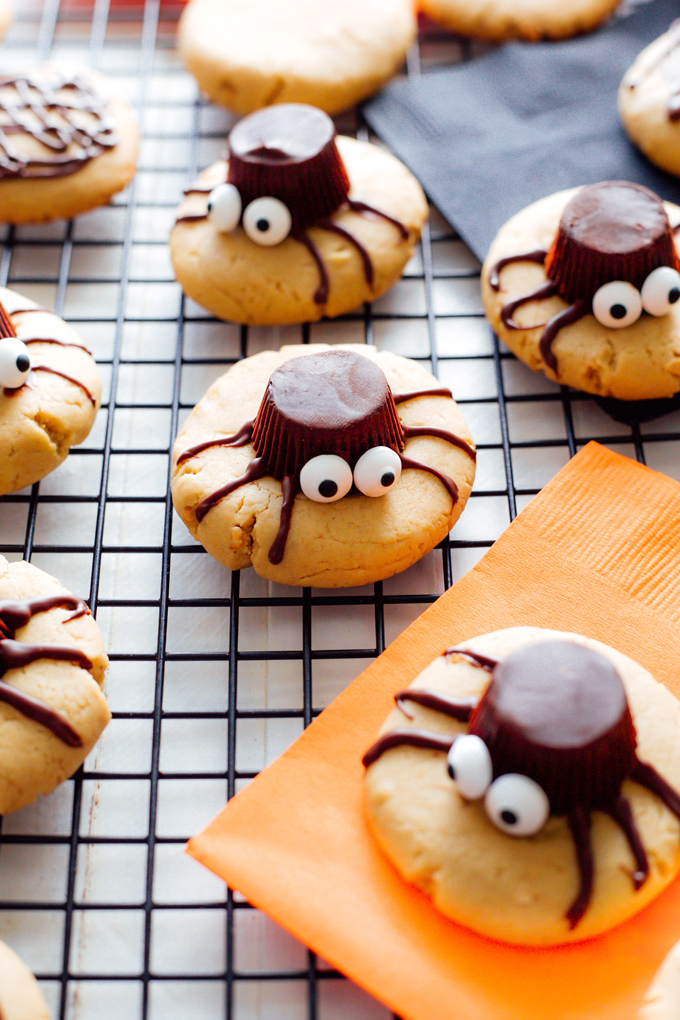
[213,674]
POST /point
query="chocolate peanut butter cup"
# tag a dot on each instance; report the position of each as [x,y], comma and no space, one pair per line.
[289,152]
[557,712]
[614,230]
[336,401]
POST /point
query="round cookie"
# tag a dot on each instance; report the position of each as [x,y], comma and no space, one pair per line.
[578,739]
[649,101]
[55,406]
[627,357]
[349,409]
[354,215]
[52,666]
[247,54]
[662,999]
[20,996]
[498,20]
[85,156]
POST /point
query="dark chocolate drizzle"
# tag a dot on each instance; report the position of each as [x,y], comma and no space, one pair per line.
[240,438]
[366,263]
[604,711]
[447,482]
[546,290]
[450,437]
[69,378]
[53,340]
[254,471]
[289,487]
[53,121]
[439,391]
[14,614]
[321,293]
[364,207]
[526,256]
[552,327]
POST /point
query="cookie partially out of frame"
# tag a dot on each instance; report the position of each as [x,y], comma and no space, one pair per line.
[246,54]
[242,281]
[355,539]
[20,996]
[55,407]
[649,101]
[524,889]
[87,154]
[51,652]
[6,16]
[636,361]
[498,20]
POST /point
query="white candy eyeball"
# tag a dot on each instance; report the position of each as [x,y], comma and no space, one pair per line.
[469,765]
[617,304]
[326,478]
[377,471]
[661,290]
[267,221]
[15,363]
[517,805]
[224,208]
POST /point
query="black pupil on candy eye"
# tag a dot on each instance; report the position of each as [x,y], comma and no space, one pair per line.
[509,817]
[451,770]
[327,488]
[617,312]
[262,226]
[23,364]
[387,479]
[673,295]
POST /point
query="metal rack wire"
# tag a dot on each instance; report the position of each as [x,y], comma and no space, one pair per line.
[214,673]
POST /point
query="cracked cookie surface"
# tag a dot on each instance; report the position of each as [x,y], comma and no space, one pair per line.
[638,362]
[43,419]
[20,996]
[33,758]
[239,280]
[649,98]
[356,540]
[246,54]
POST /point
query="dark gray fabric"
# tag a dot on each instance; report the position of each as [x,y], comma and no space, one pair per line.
[488,137]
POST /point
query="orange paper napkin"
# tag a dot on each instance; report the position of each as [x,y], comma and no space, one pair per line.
[598,552]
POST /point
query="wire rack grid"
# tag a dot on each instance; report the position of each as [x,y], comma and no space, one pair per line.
[213,674]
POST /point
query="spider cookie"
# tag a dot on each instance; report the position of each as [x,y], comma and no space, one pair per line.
[20,997]
[649,101]
[585,286]
[66,143]
[323,467]
[52,664]
[498,20]
[6,16]
[527,781]
[50,391]
[246,54]
[296,224]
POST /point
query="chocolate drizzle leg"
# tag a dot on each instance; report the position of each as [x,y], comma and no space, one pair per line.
[579,826]
[14,614]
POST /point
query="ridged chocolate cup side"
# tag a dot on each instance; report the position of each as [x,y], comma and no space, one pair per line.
[289,152]
[334,402]
[557,712]
[6,327]
[614,230]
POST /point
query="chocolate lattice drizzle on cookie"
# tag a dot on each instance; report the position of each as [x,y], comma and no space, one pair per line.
[327,422]
[286,175]
[14,614]
[613,256]
[551,734]
[669,59]
[61,111]
[16,365]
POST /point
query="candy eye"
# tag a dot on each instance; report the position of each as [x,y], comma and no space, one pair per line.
[15,364]
[469,765]
[617,304]
[377,471]
[661,290]
[267,221]
[224,207]
[517,805]
[326,478]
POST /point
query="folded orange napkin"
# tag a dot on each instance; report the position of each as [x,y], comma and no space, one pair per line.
[598,552]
